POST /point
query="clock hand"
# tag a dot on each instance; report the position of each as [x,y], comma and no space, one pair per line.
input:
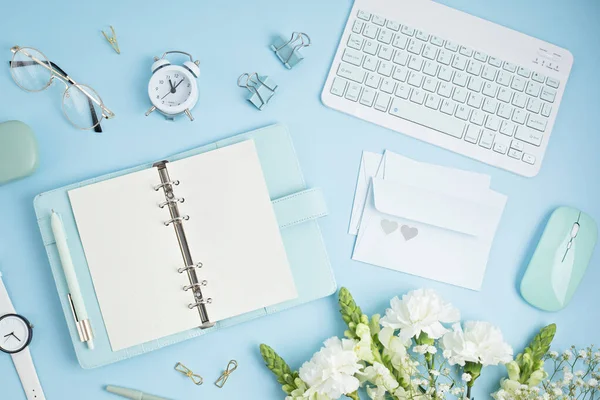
[15,336]
[168,93]
[8,334]
[183,79]
[172,87]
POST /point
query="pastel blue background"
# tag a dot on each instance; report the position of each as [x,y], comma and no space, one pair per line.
[230,38]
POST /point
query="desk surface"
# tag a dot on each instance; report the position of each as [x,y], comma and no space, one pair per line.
[230,39]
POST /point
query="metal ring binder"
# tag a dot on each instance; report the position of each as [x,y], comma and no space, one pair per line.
[180,218]
[195,285]
[197,265]
[190,266]
[167,183]
[175,200]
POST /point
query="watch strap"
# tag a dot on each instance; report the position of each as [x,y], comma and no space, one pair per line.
[6,306]
[29,379]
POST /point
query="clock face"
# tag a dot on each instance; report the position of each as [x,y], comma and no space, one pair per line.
[172,89]
[15,333]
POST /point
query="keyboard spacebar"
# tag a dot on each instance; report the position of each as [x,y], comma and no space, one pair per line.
[427,117]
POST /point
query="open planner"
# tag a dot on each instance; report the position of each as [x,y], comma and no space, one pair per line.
[190,244]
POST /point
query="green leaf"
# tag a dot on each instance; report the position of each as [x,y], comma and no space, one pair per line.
[351,313]
[280,369]
[353,395]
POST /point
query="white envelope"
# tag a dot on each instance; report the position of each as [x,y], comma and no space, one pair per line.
[392,166]
[421,229]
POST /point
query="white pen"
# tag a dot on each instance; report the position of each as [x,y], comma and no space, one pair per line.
[75,298]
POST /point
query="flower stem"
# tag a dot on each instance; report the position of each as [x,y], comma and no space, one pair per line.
[469,387]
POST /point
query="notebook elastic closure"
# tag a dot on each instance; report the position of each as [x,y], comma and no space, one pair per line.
[300,207]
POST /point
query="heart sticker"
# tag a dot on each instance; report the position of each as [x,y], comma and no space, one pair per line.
[408,232]
[388,226]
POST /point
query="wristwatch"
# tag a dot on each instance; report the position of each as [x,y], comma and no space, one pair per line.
[15,335]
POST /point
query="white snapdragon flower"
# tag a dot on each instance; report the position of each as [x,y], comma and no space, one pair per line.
[383,380]
[363,347]
[421,310]
[331,370]
[479,342]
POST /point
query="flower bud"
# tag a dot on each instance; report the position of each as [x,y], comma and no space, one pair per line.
[514,372]
[537,377]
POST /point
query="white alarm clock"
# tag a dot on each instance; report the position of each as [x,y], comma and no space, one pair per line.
[173,89]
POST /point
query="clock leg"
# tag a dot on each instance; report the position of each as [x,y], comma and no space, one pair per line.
[150,110]
[189,114]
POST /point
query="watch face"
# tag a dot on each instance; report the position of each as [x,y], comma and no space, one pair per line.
[15,333]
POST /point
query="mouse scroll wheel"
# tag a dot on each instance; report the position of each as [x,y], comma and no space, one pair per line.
[575,229]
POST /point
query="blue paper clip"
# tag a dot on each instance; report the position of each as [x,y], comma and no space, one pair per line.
[261,88]
[289,52]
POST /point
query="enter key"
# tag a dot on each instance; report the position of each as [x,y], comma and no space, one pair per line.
[537,122]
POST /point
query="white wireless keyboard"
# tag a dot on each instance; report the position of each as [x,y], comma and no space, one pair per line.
[450,79]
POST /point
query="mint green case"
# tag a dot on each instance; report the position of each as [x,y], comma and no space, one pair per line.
[297,209]
[18,151]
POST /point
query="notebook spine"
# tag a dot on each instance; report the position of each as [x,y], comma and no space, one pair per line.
[190,267]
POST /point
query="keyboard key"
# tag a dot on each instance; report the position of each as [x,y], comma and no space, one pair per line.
[385,68]
[353,91]
[426,117]
[430,68]
[400,74]
[460,78]
[504,78]
[465,51]
[415,79]
[445,89]
[533,89]
[475,84]
[370,63]
[382,102]
[436,41]
[351,72]
[459,62]
[500,148]
[515,144]
[546,109]
[487,139]
[477,117]
[401,57]
[371,47]
[370,31]
[524,72]
[373,81]
[415,46]
[377,20]
[417,96]
[448,107]
[355,42]
[430,52]
[507,128]
[519,100]
[415,63]
[475,100]
[514,153]
[489,105]
[518,83]
[474,67]
[364,15]
[386,52]
[462,112]
[480,56]
[519,116]
[388,85]
[472,134]
[393,25]
[451,46]
[492,123]
[490,89]
[352,56]
[504,95]
[432,101]
[460,95]
[504,111]
[430,85]
[510,67]
[444,57]
[407,30]
[403,91]
[537,122]
[528,158]
[548,94]
[552,82]
[385,36]
[368,96]
[338,86]
[358,26]
[489,73]
[496,62]
[538,77]
[422,35]
[445,73]
[400,41]
[534,105]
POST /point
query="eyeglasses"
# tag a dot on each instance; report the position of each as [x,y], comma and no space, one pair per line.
[82,106]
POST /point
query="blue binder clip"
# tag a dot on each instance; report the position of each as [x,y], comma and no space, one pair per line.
[261,88]
[289,51]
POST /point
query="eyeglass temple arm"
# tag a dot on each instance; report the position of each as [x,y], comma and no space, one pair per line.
[97,127]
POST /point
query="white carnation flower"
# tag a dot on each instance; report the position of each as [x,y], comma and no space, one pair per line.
[480,342]
[331,370]
[421,310]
